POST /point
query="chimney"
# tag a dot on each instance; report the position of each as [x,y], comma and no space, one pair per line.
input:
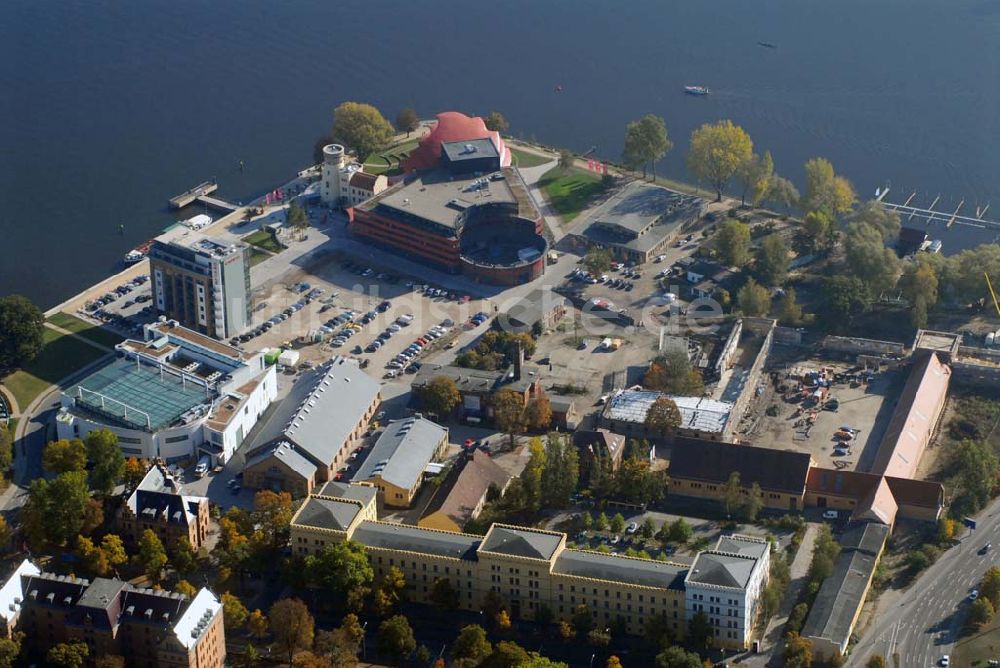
[518,361]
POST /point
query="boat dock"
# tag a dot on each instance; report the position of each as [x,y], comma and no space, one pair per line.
[200,190]
[216,203]
[928,214]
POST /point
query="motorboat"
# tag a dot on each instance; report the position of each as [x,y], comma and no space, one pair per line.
[696,90]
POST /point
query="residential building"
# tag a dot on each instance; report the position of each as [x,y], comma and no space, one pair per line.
[477,386]
[598,445]
[706,277]
[725,583]
[565,414]
[201,282]
[639,221]
[173,396]
[398,460]
[625,413]
[158,504]
[840,599]
[311,434]
[148,627]
[347,184]
[537,311]
[462,495]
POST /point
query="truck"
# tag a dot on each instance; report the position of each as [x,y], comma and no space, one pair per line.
[201,469]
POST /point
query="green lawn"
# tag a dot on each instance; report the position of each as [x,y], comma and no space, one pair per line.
[524,159]
[570,191]
[388,161]
[977,650]
[263,239]
[257,256]
[76,325]
[60,356]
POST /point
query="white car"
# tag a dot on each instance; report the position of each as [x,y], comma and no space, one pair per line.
[830,514]
[974,595]
[632,528]
[945,660]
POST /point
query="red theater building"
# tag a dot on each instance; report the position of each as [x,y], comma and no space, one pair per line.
[468,212]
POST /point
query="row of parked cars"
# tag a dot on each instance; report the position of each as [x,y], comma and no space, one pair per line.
[438,293]
[584,276]
[406,360]
[117,293]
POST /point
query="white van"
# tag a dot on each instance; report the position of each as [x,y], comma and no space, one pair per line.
[202,468]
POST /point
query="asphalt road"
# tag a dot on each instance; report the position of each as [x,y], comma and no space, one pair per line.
[925,624]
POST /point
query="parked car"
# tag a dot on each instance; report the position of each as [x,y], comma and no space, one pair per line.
[830,514]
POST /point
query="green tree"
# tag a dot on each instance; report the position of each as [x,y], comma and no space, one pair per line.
[601,522]
[869,259]
[989,587]
[93,559]
[798,617]
[732,493]
[272,515]
[561,473]
[234,613]
[919,282]
[754,299]
[789,310]
[844,298]
[361,128]
[672,373]
[390,591]
[638,483]
[752,504]
[663,417]
[439,396]
[508,412]
[67,655]
[755,177]
[444,595]
[6,451]
[533,473]
[646,141]
[718,151]
[599,638]
[733,242]
[566,159]
[340,567]
[597,260]
[257,624]
[975,465]
[395,639]
[782,192]
[883,219]
[496,122]
[772,261]
[581,620]
[296,217]
[56,509]
[407,120]
[679,531]
[677,657]
[292,626]
[21,327]
[818,232]
[64,456]
[617,523]
[10,649]
[472,646]
[107,463]
[185,588]
[648,529]
[825,191]
[981,612]
[700,631]
[152,556]
[798,651]
[183,557]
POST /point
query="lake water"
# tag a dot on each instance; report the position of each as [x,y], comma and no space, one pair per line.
[109,108]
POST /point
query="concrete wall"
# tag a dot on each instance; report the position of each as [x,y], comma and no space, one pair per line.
[848,344]
[752,327]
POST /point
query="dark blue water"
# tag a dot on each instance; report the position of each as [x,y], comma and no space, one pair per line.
[109,108]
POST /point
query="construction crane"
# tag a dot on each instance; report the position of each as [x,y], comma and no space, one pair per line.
[996,304]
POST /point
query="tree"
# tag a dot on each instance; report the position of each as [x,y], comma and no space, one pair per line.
[502,620]
[597,260]
[601,522]
[613,662]
[755,177]
[732,493]
[152,556]
[818,232]
[875,661]
[981,612]
[439,396]
[107,463]
[663,417]
[471,646]
[538,414]
[340,567]
[361,128]
[989,587]
[508,654]
[64,456]
[752,504]
[390,591]
[646,141]
[825,191]
[296,218]
[5,535]
[733,242]
[797,617]
[672,373]
[677,657]
[566,631]
[257,624]
[561,472]
[782,192]
[94,560]
[56,509]
[772,261]
[617,523]
[679,531]
[508,412]
[844,298]
[444,595]
[272,515]
[566,159]
[395,638]
[134,472]
[291,625]
[6,449]
[648,529]
[874,213]
[581,620]
[21,327]
[754,299]
[717,152]
[599,638]
[234,613]
[183,557]
[798,651]
[496,122]
[975,466]
[407,120]
[67,655]
[919,281]
[869,259]
[789,310]
[186,588]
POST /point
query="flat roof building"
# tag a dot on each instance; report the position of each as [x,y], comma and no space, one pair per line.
[701,417]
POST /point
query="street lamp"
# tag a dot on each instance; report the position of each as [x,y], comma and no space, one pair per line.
[364,645]
[592,659]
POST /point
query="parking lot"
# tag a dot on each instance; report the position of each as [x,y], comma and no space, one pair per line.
[124,308]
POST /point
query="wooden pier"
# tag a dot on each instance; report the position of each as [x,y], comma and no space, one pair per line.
[929,215]
[200,190]
[216,203]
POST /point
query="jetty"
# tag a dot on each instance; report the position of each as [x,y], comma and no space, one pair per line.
[200,190]
[929,214]
[216,203]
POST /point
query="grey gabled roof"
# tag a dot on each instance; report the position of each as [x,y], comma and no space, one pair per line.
[285,452]
[415,539]
[721,569]
[521,542]
[327,513]
[613,568]
[402,452]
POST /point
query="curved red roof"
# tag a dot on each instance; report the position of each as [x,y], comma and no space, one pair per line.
[452,126]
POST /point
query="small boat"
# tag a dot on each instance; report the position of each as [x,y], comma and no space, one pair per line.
[695,90]
[559,88]
[767,45]
[134,256]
